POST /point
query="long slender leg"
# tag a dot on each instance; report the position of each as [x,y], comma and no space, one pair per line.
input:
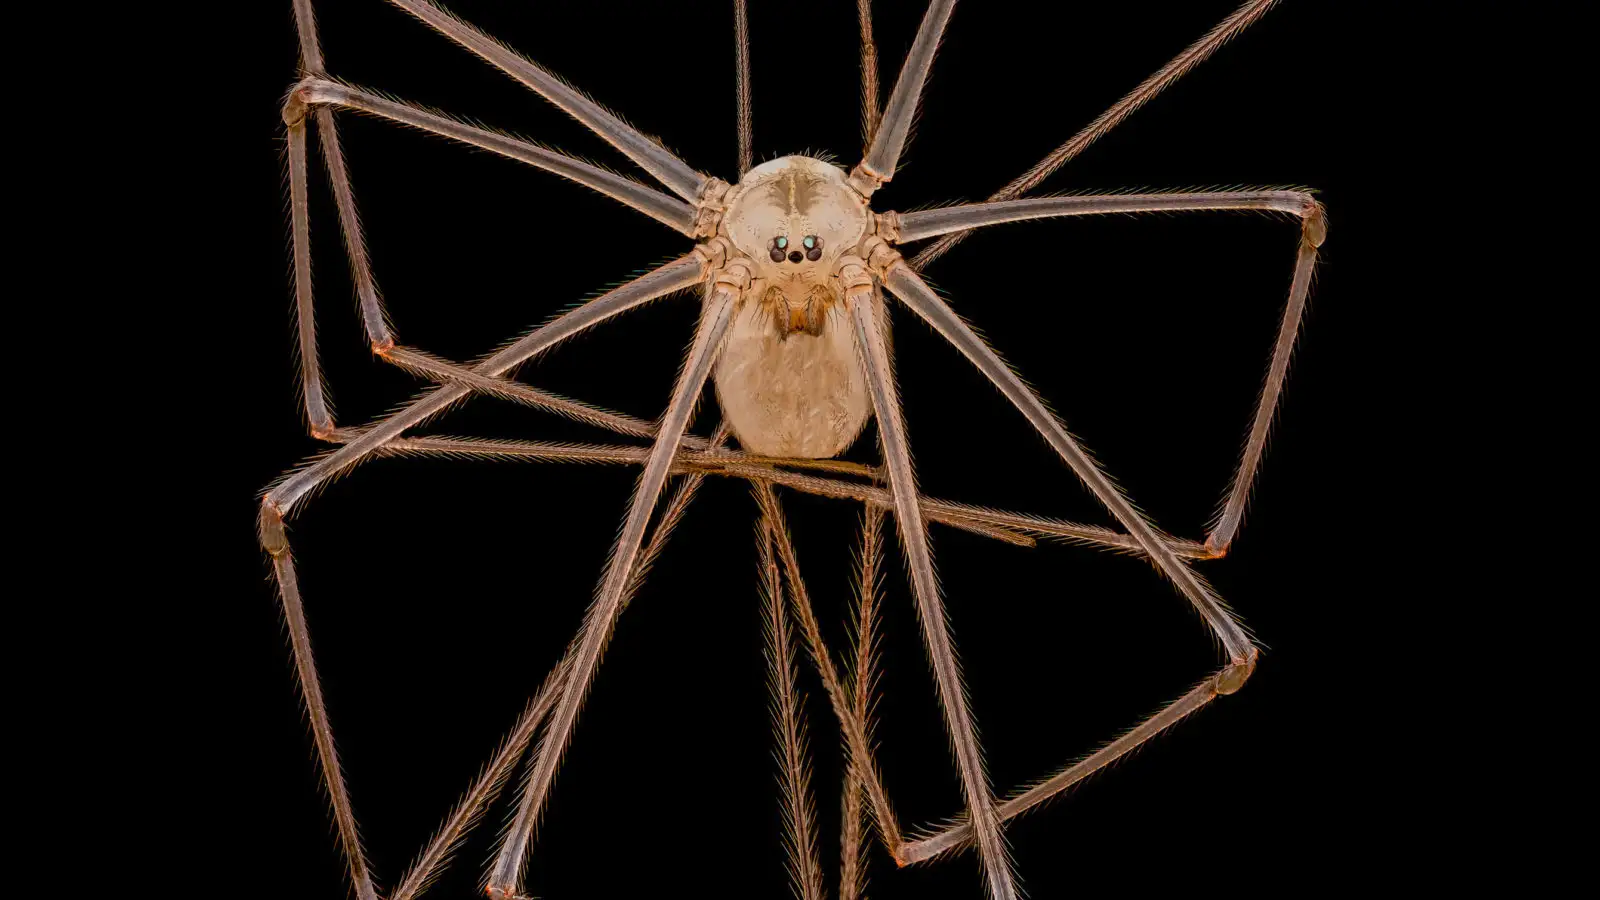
[319,414]
[857,721]
[373,316]
[483,792]
[883,154]
[1227,523]
[320,417]
[281,499]
[276,544]
[1313,231]
[741,36]
[935,628]
[1193,55]
[857,741]
[870,92]
[915,226]
[1224,682]
[863,685]
[597,627]
[670,211]
[998,524]
[915,293]
[487,787]
[667,279]
[319,92]
[649,155]
[430,366]
[799,818]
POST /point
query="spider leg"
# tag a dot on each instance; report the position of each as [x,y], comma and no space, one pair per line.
[670,278]
[281,499]
[863,684]
[805,869]
[319,415]
[318,411]
[977,520]
[855,719]
[870,92]
[276,543]
[1176,68]
[858,744]
[373,316]
[931,610]
[914,226]
[584,656]
[670,211]
[1313,231]
[1010,527]
[445,372]
[741,37]
[649,155]
[883,154]
[1224,682]
[483,791]
[915,293]
[1227,523]
[1242,653]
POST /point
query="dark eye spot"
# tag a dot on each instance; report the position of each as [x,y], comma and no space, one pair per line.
[813,245]
[794,256]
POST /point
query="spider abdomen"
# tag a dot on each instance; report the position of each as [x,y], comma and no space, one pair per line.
[791,393]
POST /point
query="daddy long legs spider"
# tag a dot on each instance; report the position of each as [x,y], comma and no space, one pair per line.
[798,351]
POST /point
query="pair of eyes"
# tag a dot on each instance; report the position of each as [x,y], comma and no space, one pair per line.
[778,248]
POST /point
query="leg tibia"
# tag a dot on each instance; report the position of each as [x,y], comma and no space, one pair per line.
[1225,682]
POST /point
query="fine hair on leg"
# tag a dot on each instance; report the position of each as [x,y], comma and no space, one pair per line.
[584,657]
[930,607]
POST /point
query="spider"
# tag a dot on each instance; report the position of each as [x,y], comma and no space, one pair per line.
[794,268]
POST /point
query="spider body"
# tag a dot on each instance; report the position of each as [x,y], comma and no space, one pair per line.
[790,381]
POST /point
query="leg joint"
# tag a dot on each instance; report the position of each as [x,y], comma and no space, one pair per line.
[1314,227]
[865,181]
[269,526]
[1233,677]
[295,106]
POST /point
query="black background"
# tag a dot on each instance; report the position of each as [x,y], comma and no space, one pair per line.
[440,592]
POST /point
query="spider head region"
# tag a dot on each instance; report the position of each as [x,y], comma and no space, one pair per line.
[794,217]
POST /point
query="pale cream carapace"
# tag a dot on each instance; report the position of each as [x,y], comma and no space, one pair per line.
[790,381]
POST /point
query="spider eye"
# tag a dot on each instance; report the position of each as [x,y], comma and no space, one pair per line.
[813,245]
[776,248]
